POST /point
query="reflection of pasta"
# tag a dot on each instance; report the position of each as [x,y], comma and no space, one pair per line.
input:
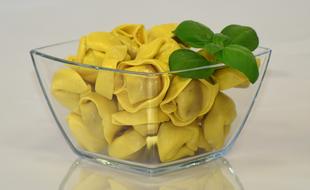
[216,175]
[127,114]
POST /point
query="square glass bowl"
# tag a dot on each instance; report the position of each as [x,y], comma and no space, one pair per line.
[141,119]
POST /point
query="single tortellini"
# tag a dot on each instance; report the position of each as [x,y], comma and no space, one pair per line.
[160,49]
[68,87]
[135,32]
[99,41]
[127,144]
[86,137]
[228,78]
[132,36]
[145,122]
[187,99]
[91,51]
[163,30]
[96,112]
[177,142]
[92,57]
[135,92]
[218,120]
[105,82]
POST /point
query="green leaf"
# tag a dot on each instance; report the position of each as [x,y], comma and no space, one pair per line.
[221,39]
[242,59]
[212,48]
[182,59]
[193,33]
[242,35]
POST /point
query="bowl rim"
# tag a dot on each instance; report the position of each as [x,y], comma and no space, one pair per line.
[38,51]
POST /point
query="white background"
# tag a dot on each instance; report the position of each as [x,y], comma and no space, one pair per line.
[273,151]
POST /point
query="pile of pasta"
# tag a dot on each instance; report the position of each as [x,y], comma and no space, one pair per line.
[124,113]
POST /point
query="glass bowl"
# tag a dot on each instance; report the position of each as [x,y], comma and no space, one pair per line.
[139,118]
[217,174]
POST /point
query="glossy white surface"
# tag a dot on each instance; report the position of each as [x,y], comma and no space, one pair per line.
[272,152]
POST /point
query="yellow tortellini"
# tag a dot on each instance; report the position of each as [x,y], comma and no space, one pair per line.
[145,121]
[131,35]
[97,111]
[145,116]
[176,142]
[111,60]
[85,137]
[135,32]
[126,103]
[218,120]
[203,143]
[91,51]
[229,78]
[160,49]
[136,92]
[147,129]
[188,99]
[127,144]
[163,30]
[91,57]
[94,120]
[68,87]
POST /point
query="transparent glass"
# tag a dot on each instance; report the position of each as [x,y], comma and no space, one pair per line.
[217,174]
[139,119]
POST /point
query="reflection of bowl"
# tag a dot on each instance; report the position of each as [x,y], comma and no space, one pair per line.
[141,127]
[214,175]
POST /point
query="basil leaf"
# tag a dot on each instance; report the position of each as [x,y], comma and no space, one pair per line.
[182,59]
[221,39]
[212,48]
[193,33]
[242,59]
[242,35]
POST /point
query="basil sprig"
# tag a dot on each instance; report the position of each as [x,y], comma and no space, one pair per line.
[233,47]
